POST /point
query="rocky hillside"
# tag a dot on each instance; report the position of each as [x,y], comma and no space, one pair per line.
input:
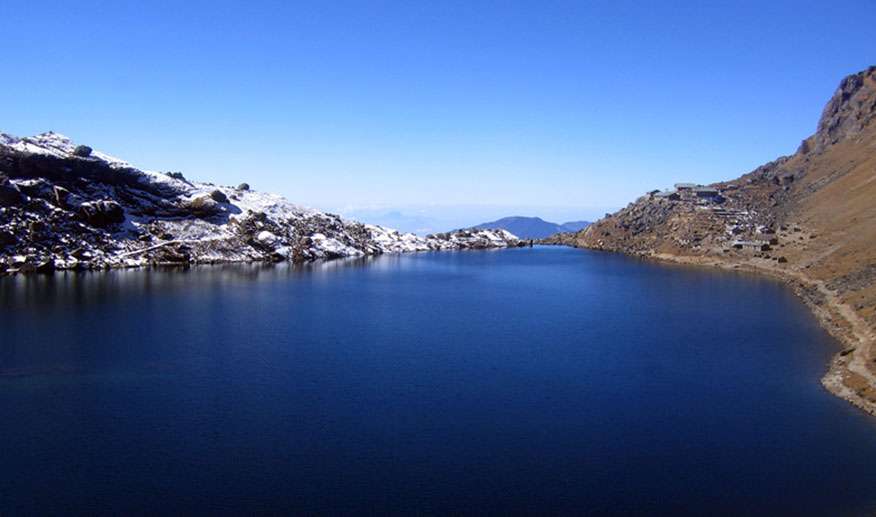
[64,206]
[809,218]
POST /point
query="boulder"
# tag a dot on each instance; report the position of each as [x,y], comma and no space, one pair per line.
[20,264]
[173,254]
[203,205]
[10,195]
[80,254]
[82,151]
[243,186]
[37,188]
[45,266]
[35,228]
[101,213]
[218,196]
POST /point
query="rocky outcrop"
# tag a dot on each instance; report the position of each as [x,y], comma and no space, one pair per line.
[851,109]
[64,206]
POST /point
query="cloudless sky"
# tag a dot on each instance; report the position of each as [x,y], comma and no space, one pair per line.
[574,107]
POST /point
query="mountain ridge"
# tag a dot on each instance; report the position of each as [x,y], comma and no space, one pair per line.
[532,227]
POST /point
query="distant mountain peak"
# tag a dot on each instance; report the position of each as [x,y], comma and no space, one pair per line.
[533,227]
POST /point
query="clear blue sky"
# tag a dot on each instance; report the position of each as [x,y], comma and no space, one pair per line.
[570,107]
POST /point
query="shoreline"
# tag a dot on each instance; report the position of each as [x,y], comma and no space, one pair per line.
[847,376]
[81,267]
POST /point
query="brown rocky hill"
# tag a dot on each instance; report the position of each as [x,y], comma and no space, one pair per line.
[809,218]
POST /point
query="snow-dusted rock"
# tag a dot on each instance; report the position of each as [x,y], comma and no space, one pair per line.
[96,211]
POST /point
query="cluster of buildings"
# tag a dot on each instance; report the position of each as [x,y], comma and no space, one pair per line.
[689,192]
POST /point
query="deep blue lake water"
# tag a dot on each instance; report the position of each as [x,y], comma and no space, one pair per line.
[545,380]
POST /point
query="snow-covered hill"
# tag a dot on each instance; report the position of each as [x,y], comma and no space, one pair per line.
[64,206]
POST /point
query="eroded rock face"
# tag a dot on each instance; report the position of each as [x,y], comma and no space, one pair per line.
[851,109]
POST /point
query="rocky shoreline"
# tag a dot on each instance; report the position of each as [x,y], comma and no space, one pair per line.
[848,375]
[68,207]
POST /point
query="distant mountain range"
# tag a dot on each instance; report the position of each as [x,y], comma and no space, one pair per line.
[532,227]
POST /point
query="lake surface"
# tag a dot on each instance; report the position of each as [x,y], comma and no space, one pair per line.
[544,380]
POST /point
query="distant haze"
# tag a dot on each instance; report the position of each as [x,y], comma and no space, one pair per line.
[455,103]
[425,219]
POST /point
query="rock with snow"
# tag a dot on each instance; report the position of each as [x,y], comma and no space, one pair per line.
[101,213]
[82,151]
[203,205]
[63,208]
[10,194]
[219,196]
